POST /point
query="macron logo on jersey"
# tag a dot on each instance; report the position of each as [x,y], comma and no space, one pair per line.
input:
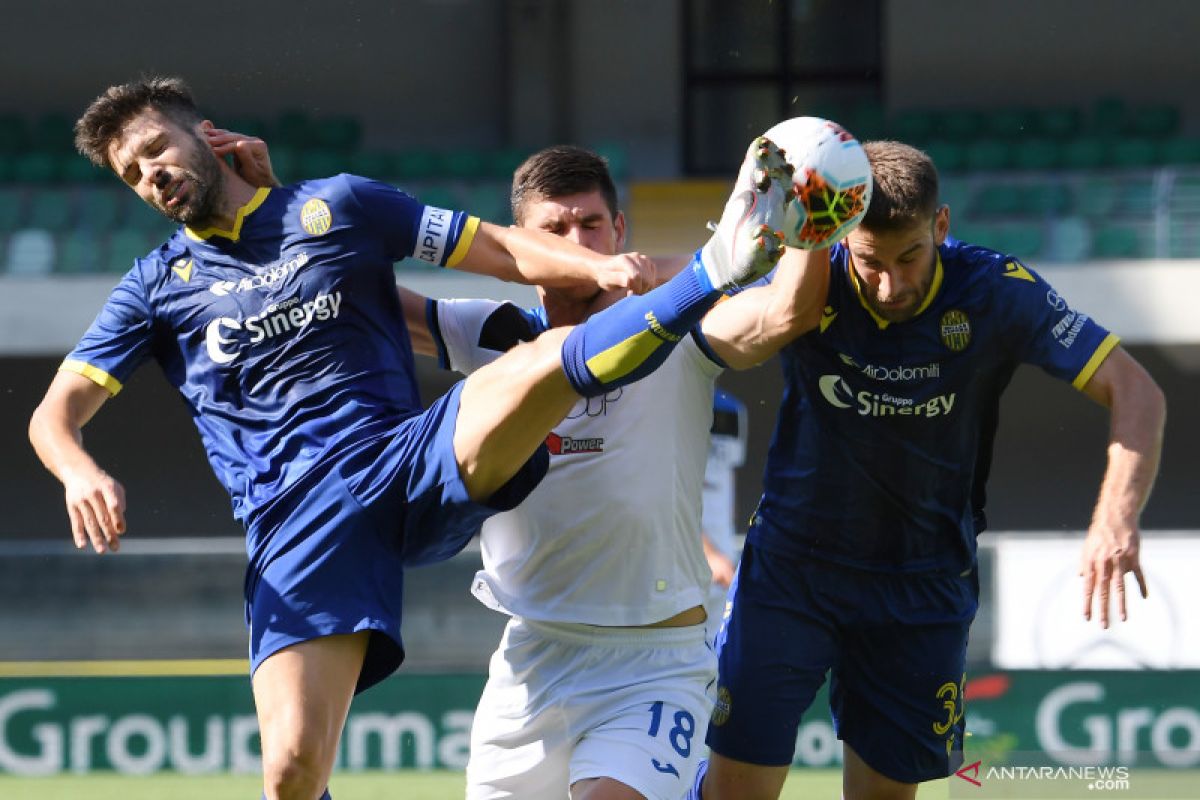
[566,445]
[289,317]
[433,236]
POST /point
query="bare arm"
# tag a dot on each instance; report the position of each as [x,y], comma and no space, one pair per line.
[95,501]
[524,255]
[413,306]
[750,327]
[1137,413]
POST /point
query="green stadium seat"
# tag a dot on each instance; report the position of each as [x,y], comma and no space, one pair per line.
[14,134]
[1179,151]
[988,154]
[80,251]
[1058,123]
[976,233]
[866,121]
[913,124]
[35,167]
[1185,196]
[378,164]
[247,124]
[7,163]
[948,156]
[960,124]
[1070,239]
[285,163]
[12,208]
[54,133]
[322,163]
[52,209]
[956,193]
[999,200]
[126,244]
[464,162]
[1130,152]
[293,129]
[1116,241]
[1159,121]
[439,195]
[1047,199]
[77,169]
[1136,197]
[1184,238]
[1084,152]
[101,209]
[29,251]
[1108,117]
[1023,240]
[489,201]
[1097,197]
[418,164]
[1010,123]
[1036,153]
[340,133]
[504,162]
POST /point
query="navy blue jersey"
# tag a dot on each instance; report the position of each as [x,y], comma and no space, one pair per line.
[284,335]
[885,430]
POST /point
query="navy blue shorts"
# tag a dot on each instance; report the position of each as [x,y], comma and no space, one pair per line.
[893,644]
[330,558]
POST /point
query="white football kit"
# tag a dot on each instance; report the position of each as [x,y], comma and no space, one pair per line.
[609,539]
[726,452]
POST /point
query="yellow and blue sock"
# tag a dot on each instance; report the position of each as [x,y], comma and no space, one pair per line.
[629,340]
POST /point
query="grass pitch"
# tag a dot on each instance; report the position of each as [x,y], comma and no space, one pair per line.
[406,785]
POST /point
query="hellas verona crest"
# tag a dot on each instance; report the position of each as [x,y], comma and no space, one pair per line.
[315,217]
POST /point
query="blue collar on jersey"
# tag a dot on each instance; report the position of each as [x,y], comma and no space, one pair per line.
[242,213]
[880,321]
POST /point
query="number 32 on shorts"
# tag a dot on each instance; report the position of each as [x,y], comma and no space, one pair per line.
[951,695]
[680,735]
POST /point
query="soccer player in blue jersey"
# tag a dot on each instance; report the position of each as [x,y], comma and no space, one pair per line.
[860,560]
[273,311]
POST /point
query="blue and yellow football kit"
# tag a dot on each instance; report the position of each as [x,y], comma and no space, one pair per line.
[286,340]
[863,545]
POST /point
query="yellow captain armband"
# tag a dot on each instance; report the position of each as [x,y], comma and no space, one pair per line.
[470,228]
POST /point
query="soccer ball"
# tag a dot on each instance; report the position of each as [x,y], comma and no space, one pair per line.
[831,181]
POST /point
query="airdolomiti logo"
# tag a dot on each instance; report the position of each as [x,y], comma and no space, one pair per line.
[226,338]
[266,278]
[917,373]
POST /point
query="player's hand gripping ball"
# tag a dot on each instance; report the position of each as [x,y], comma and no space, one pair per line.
[831,181]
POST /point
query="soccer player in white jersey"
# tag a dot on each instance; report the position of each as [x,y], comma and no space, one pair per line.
[599,684]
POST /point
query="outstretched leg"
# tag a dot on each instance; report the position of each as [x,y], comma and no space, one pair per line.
[508,407]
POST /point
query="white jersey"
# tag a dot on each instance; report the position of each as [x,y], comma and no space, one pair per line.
[611,536]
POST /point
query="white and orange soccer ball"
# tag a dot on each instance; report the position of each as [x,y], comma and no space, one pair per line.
[831,181]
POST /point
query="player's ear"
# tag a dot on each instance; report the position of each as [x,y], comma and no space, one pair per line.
[941,224]
[619,228]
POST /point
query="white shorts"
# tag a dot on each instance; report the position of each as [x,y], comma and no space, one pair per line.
[567,702]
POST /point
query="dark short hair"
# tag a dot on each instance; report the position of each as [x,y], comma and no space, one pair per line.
[559,171]
[906,186]
[108,114]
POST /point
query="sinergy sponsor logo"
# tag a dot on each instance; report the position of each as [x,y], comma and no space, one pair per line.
[837,393]
[290,317]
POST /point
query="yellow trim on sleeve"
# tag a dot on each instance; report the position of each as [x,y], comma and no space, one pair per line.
[1093,364]
[470,228]
[624,357]
[93,374]
[242,213]
[116,668]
